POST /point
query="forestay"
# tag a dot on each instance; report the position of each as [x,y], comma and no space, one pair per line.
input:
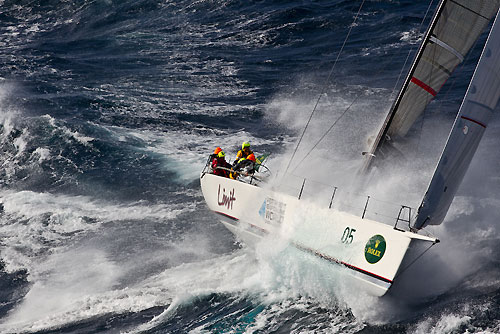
[454,29]
[473,117]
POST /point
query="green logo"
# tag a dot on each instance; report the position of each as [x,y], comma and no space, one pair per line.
[375,249]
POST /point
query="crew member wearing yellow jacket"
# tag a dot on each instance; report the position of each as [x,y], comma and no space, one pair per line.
[243,153]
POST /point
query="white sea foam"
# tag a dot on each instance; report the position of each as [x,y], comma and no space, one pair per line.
[413,36]
[57,287]
[85,140]
[53,218]
[84,281]
[276,280]
[21,142]
[42,153]
[30,204]
[447,323]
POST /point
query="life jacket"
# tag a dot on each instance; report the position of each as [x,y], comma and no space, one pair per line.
[242,154]
[220,162]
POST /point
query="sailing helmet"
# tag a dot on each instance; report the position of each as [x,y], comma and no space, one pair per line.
[217,150]
[251,157]
[221,154]
[245,145]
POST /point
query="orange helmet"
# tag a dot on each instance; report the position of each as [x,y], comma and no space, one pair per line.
[251,157]
[217,150]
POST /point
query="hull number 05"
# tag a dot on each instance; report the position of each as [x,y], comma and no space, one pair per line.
[348,235]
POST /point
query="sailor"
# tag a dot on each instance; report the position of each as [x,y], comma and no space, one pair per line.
[219,163]
[245,166]
[213,156]
[243,153]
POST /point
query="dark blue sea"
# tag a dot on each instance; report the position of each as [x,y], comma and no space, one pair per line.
[108,111]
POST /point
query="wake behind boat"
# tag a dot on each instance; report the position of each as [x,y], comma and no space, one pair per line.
[375,253]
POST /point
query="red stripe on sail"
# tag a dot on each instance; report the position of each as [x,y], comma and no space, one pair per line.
[474,121]
[424,86]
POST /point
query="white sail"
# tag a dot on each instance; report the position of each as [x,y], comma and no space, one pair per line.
[475,112]
[455,27]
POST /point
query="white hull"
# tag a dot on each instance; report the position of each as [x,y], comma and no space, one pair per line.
[372,251]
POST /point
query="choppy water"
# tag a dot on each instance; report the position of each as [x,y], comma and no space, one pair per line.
[107,112]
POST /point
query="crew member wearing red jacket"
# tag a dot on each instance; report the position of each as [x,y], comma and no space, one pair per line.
[220,161]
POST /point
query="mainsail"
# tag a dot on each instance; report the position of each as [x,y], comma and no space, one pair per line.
[454,28]
[475,112]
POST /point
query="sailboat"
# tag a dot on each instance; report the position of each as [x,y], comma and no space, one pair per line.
[374,252]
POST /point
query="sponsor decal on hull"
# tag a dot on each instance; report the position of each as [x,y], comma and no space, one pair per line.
[272,211]
[375,249]
[224,199]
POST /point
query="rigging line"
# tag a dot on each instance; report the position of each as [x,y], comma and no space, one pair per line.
[390,98]
[327,132]
[415,260]
[324,86]
[382,68]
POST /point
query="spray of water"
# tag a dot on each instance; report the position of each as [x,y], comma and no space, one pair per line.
[467,235]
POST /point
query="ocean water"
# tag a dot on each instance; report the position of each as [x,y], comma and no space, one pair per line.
[108,110]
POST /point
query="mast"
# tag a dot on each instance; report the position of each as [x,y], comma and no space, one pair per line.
[455,27]
[475,112]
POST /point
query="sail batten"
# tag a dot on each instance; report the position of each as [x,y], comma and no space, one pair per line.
[472,120]
[445,46]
